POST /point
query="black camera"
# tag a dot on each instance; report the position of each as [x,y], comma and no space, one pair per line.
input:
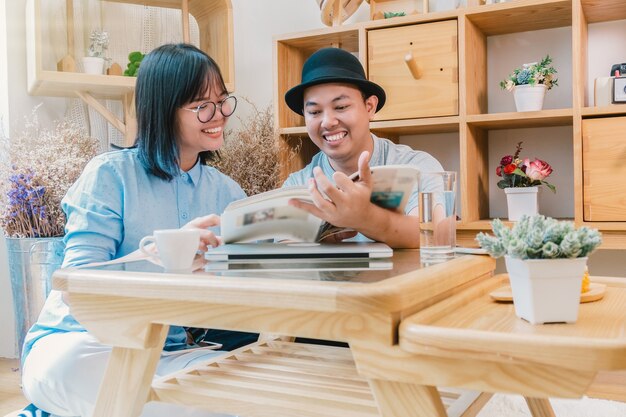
[620,69]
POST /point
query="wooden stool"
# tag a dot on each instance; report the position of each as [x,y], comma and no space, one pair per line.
[277,378]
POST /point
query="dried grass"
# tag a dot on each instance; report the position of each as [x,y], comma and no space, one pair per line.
[250,155]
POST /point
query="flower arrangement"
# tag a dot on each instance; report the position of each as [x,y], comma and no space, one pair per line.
[539,237]
[250,155]
[98,44]
[36,169]
[532,74]
[517,172]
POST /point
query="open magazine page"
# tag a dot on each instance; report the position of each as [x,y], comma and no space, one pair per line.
[392,185]
[269,216]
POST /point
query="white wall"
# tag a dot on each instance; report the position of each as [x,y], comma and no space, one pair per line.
[256,22]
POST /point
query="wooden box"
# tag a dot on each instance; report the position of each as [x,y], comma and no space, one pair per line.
[417,65]
[604,149]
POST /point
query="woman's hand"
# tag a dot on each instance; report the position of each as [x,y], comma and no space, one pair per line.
[207,238]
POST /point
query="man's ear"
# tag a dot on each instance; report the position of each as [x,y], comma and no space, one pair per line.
[370,105]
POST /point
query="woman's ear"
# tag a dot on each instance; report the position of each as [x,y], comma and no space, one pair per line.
[370,105]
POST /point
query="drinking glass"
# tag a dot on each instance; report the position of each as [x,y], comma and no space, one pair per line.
[437,212]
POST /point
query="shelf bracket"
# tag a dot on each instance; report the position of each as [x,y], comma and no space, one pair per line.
[106,113]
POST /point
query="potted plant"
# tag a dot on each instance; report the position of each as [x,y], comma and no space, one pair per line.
[546,261]
[521,179]
[93,63]
[134,61]
[37,167]
[530,83]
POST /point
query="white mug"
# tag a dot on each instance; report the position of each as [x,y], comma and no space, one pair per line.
[176,248]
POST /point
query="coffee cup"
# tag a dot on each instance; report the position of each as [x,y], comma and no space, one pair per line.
[176,248]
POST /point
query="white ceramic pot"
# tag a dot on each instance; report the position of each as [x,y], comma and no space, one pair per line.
[546,290]
[520,201]
[93,65]
[529,97]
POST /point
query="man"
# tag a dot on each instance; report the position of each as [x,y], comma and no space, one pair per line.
[338,102]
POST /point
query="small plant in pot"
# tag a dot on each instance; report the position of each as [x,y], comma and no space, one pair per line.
[520,181]
[530,83]
[93,63]
[546,261]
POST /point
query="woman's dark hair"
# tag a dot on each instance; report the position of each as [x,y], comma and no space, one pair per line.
[170,76]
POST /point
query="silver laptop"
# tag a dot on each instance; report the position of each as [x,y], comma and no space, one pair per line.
[297,265]
[258,251]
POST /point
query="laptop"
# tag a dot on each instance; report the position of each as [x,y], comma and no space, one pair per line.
[262,251]
[296,265]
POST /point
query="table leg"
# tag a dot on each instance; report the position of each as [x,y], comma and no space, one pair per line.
[539,407]
[399,399]
[128,378]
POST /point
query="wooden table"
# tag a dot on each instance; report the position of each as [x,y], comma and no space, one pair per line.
[470,341]
[130,306]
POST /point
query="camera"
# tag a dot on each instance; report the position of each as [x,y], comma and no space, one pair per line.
[619,90]
[620,69]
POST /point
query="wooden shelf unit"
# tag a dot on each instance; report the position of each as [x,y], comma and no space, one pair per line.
[473,121]
[215,24]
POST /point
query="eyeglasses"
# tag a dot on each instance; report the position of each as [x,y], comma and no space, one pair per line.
[206,111]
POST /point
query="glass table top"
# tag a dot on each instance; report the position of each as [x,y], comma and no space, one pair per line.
[348,270]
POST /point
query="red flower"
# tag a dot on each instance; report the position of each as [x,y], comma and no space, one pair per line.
[499,171]
[506,160]
[509,168]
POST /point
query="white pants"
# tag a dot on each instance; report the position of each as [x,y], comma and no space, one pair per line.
[63,372]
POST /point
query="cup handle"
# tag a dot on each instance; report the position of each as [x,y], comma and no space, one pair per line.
[145,241]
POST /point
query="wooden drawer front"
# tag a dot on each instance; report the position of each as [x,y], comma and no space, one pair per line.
[434,49]
[604,170]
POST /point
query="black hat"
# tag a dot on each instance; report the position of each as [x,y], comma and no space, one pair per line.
[332,65]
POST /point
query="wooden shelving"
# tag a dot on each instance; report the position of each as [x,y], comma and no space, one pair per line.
[515,120]
[603,10]
[614,110]
[521,16]
[446,124]
[473,123]
[63,84]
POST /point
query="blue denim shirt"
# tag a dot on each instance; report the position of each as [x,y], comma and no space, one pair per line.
[115,203]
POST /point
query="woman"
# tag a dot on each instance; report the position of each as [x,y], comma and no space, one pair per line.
[162,183]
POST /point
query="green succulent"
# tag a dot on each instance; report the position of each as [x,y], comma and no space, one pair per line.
[539,237]
[132,67]
[389,15]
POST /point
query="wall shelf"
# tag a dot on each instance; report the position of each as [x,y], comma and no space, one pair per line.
[214,19]
[614,110]
[521,16]
[604,10]
[515,120]
[64,84]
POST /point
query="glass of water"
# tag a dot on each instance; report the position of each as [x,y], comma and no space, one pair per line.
[437,212]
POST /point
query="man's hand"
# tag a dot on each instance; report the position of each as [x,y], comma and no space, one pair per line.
[207,238]
[343,204]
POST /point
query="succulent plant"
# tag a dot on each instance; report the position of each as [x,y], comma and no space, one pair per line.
[539,237]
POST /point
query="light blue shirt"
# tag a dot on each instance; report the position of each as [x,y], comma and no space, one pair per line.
[385,152]
[115,203]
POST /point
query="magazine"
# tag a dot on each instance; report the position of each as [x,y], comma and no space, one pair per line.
[268,215]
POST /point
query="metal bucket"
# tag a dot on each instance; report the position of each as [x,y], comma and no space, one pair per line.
[31,264]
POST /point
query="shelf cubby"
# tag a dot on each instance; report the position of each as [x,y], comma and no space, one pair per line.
[486,127]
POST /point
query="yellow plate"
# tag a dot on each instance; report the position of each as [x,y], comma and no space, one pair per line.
[595,293]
